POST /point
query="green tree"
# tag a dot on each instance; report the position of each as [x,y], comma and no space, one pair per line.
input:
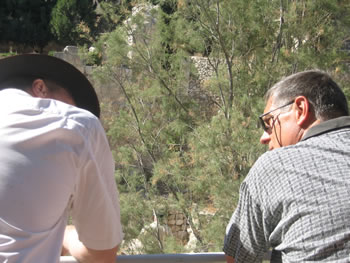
[248,53]
[26,22]
[112,13]
[158,113]
[73,21]
[178,151]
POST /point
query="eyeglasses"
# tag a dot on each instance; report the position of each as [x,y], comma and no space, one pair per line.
[265,121]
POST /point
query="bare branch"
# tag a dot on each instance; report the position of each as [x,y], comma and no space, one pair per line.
[121,85]
[279,35]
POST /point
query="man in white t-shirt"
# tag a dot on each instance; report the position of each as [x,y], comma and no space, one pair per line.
[55,162]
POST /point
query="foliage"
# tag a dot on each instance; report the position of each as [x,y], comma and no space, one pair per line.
[3,55]
[73,20]
[34,23]
[90,56]
[176,150]
[112,13]
[26,21]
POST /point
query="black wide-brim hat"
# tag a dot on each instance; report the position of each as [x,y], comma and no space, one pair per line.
[56,70]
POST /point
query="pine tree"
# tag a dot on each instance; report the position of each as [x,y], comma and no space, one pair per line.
[26,22]
[73,21]
[175,152]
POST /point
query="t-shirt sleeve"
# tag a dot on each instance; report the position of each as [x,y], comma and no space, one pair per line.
[245,239]
[95,208]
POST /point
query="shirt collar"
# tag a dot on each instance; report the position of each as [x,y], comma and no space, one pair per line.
[11,90]
[327,126]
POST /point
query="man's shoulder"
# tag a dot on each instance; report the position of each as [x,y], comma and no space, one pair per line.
[269,179]
[82,119]
[78,114]
[285,162]
[291,152]
[278,163]
[15,101]
[278,156]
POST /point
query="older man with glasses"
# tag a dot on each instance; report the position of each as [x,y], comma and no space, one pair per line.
[296,198]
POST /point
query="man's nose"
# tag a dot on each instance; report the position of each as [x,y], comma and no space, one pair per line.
[265,138]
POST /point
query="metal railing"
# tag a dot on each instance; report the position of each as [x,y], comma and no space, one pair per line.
[164,258]
[213,257]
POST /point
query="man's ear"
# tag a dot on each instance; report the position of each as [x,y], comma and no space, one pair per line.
[302,111]
[39,89]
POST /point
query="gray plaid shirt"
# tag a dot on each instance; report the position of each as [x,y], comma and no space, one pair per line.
[296,199]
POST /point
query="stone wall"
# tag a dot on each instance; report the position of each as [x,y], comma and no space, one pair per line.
[178,225]
[205,70]
[199,81]
[196,86]
[12,47]
[71,55]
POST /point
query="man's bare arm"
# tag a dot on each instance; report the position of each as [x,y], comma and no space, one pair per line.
[72,246]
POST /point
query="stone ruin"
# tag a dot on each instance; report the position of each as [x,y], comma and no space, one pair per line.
[178,225]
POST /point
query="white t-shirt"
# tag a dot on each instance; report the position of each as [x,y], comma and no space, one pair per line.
[54,160]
